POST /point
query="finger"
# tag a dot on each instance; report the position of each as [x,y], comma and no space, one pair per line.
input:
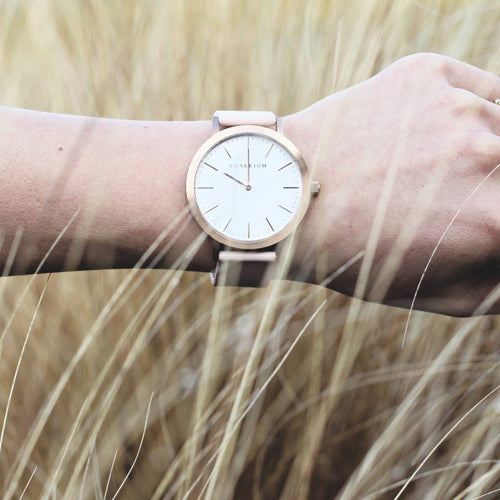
[484,149]
[465,76]
[487,111]
[491,113]
[485,114]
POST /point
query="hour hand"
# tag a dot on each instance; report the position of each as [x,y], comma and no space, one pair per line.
[234,179]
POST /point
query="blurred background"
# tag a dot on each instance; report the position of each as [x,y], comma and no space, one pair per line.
[153,384]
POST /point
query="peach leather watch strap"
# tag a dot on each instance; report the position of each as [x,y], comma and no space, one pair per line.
[230,118]
[234,267]
[243,267]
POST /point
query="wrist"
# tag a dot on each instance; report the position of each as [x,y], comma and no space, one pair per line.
[328,222]
[304,134]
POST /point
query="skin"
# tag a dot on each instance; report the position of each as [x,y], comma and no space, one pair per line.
[397,156]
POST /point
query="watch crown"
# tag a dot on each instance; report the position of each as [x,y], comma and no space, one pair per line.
[315,185]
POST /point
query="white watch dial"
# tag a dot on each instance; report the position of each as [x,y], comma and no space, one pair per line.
[248,187]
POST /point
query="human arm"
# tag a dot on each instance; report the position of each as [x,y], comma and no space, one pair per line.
[102,190]
[397,156]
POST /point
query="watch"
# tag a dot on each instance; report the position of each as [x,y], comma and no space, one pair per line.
[248,188]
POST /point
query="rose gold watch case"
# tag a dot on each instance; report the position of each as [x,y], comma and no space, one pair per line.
[221,137]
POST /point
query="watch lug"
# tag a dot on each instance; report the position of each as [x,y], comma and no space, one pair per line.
[215,123]
[279,125]
[315,186]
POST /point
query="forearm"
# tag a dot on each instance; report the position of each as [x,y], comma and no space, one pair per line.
[105,190]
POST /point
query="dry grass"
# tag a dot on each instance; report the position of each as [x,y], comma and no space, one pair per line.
[289,392]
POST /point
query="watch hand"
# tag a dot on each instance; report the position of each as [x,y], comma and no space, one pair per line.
[248,160]
[234,179]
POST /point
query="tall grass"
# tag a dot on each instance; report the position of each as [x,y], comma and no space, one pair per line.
[152,384]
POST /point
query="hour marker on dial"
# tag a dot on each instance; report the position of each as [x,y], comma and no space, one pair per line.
[210,209]
[226,151]
[290,187]
[272,228]
[289,211]
[284,166]
[211,166]
[225,227]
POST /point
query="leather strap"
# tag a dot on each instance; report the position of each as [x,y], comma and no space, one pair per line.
[223,119]
[234,267]
[243,268]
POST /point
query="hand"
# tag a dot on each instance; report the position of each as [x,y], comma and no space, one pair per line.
[407,164]
[236,180]
[248,161]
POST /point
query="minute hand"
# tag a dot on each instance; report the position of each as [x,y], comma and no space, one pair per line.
[234,179]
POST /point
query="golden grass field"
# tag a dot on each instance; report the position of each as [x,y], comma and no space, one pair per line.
[153,384]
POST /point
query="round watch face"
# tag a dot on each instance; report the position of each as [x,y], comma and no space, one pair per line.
[248,187]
